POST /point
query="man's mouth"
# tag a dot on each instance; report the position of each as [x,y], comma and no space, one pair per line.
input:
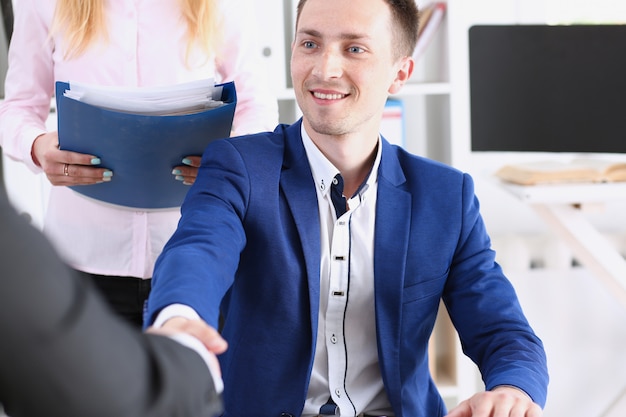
[327,96]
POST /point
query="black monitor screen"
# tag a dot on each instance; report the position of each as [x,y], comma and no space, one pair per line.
[541,88]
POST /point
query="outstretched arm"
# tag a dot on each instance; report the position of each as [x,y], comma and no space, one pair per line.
[64,353]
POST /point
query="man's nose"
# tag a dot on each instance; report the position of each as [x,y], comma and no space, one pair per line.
[329,65]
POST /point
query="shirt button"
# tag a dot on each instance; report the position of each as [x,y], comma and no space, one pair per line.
[338,392]
[333,339]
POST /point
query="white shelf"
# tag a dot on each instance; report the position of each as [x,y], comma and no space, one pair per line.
[424,89]
[285,94]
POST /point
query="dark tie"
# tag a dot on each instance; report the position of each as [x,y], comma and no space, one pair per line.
[329,409]
[336,195]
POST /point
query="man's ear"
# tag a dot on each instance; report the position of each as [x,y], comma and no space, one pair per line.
[405,70]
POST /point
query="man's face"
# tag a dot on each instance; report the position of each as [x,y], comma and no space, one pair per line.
[343,66]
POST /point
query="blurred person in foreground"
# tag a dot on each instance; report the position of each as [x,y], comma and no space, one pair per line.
[64,353]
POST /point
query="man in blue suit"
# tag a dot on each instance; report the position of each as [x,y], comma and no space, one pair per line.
[326,250]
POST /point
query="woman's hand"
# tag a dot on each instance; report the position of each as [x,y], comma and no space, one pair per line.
[66,167]
[187,173]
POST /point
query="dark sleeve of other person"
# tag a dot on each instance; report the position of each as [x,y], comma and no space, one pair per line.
[63,353]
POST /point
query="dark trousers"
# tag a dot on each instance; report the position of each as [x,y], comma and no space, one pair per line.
[126,295]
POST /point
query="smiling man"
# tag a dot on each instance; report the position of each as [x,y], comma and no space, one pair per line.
[327,251]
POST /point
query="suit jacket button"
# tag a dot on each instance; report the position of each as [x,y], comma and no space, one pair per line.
[286,415]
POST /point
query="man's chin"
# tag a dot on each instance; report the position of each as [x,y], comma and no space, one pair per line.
[326,127]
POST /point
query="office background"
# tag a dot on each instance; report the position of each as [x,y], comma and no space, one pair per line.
[581,322]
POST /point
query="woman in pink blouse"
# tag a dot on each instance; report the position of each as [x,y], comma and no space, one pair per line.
[120,43]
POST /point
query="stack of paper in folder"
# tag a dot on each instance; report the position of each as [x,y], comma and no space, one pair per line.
[185,98]
[141,134]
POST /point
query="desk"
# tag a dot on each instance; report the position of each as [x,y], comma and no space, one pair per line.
[560,207]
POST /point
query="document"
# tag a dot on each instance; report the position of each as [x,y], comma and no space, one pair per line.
[141,140]
[183,98]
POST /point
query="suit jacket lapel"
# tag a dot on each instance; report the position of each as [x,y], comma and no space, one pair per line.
[393,212]
[299,191]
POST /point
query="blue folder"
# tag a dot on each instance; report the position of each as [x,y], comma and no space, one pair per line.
[140,150]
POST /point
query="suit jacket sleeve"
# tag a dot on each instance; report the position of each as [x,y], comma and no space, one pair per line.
[484,307]
[64,354]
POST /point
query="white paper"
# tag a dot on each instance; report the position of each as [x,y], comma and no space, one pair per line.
[162,100]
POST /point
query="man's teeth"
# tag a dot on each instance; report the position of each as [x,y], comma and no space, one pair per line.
[323,96]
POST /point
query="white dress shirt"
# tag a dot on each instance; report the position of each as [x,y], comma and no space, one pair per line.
[146,45]
[346,356]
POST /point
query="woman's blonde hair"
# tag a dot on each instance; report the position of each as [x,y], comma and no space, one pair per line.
[83,21]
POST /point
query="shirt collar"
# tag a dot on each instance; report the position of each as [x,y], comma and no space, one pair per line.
[324,171]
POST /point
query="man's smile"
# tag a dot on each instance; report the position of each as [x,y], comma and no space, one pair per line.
[328,96]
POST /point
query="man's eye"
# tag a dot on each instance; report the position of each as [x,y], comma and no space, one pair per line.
[355,49]
[309,44]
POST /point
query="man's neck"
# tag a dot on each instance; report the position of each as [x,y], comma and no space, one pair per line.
[352,154]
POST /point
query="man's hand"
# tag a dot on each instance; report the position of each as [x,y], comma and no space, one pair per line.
[201,333]
[501,402]
[210,338]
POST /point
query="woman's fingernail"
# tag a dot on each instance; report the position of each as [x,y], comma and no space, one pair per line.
[176,172]
[180,178]
[107,174]
[95,161]
[187,161]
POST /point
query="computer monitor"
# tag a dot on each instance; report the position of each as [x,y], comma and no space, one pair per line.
[542,88]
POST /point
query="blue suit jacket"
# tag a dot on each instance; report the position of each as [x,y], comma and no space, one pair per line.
[249,242]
